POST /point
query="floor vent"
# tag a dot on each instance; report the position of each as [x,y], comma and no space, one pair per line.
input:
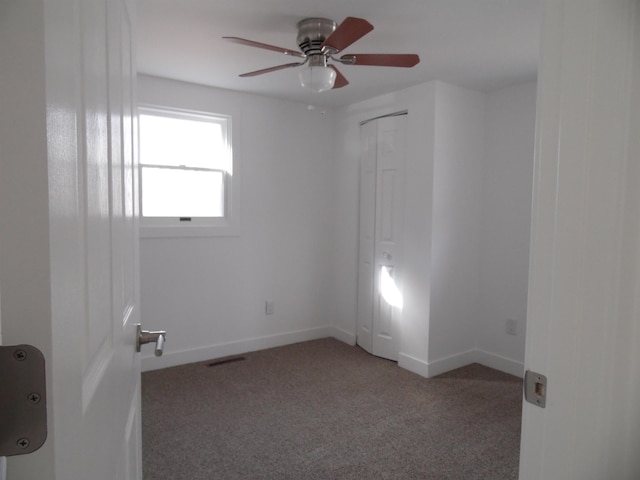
[223,361]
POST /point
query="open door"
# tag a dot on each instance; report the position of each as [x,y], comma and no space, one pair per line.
[583,326]
[69,250]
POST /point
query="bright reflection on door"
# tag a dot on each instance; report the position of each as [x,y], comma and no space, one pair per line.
[388,288]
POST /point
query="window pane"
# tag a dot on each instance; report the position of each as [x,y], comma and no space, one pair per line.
[182,193]
[182,142]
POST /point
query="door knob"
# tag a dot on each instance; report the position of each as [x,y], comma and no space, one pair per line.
[146,336]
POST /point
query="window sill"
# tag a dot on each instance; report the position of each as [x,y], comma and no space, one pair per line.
[188,231]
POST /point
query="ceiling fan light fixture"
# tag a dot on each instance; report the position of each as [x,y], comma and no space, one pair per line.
[319,39]
[318,78]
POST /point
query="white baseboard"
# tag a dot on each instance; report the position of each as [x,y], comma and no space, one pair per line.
[446,364]
[413,364]
[347,337]
[172,359]
[501,363]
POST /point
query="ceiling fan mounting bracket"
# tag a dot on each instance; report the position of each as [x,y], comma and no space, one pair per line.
[346,60]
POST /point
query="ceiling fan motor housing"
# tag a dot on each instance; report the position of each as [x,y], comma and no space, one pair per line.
[312,32]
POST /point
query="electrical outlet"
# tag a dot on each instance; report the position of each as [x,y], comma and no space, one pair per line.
[511,327]
[269,307]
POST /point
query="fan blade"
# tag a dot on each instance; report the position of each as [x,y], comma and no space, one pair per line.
[341,81]
[272,69]
[273,48]
[350,30]
[382,59]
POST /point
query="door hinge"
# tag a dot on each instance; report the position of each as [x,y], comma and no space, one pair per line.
[23,400]
[535,388]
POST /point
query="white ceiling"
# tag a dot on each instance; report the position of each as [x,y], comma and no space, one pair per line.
[479,44]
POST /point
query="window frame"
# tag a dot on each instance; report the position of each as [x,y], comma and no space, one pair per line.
[227,225]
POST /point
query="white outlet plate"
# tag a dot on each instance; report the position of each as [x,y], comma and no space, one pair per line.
[269,307]
[511,327]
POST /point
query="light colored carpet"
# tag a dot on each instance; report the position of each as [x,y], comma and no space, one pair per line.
[327,410]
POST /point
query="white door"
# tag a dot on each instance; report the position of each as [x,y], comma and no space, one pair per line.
[73,162]
[382,144]
[583,326]
[366,235]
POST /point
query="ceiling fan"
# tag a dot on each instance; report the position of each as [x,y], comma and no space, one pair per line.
[320,39]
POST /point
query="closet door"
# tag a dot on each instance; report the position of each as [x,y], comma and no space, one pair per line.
[366,235]
[380,236]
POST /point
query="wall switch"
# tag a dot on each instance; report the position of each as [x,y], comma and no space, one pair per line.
[269,307]
[512,327]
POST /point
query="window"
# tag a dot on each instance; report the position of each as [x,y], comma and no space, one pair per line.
[186,170]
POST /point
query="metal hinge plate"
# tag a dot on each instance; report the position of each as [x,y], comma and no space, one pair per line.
[535,388]
[23,400]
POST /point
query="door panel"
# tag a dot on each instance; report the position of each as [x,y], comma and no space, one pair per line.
[387,194]
[110,242]
[95,188]
[366,235]
[388,238]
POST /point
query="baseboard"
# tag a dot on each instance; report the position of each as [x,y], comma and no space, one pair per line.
[446,364]
[501,363]
[413,364]
[172,359]
[347,337]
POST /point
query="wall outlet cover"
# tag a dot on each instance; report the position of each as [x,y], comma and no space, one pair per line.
[269,307]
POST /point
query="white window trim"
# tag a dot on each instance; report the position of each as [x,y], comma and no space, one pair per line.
[229,225]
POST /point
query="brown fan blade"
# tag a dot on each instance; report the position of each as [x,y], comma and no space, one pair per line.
[273,48]
[382,59]
[350,30]
[341,80]
[271,69]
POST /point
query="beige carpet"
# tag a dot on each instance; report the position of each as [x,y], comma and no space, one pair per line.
[326,410]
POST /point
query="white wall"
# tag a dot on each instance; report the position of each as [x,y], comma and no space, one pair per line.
[455,249]
[209,293]
[506,221]
[458,139]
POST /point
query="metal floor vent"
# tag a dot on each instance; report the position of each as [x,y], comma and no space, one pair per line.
[223,361]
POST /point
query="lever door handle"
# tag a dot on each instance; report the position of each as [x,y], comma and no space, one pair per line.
[146,336]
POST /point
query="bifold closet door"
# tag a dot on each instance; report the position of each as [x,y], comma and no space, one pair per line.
[382,151]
